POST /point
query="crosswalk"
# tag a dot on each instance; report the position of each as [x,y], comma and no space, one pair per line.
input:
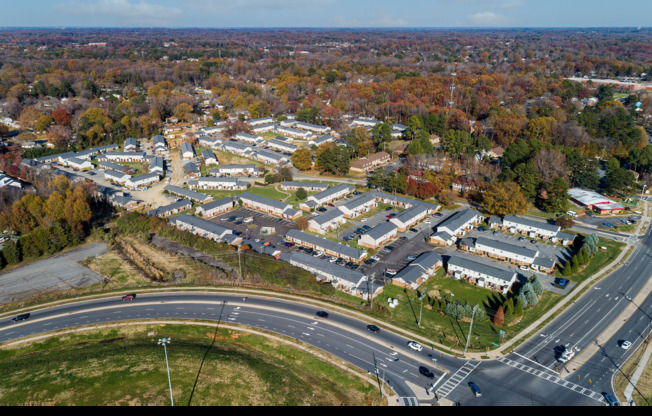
[546,375]
[455,380]
[408,401]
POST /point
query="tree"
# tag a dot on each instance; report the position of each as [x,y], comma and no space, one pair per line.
[182,111]
[12,252]
[28,118]
[61,117]
[43,123]
[555,199]
[301,194]
[360,141]
[381,134]
[504,198]
[499,317]
[551,164]
[528,176]
[536,285]
[301,223]
[456,143]
[619,180]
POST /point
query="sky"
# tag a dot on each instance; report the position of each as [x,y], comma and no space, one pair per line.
[328,13]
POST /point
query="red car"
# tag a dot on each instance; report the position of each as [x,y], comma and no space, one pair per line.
[331,205]
[129,297]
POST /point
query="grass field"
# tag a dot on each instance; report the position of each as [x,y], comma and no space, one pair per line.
[266,191]
[125,366]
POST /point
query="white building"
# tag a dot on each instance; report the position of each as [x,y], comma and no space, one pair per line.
[379,235]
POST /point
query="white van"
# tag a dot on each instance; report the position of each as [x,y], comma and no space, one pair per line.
[571,214]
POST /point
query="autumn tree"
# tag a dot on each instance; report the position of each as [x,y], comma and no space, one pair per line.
[499,317]
[302,158]
[359,139]
[182,111]
[504,198]
[43,123]
[61,117]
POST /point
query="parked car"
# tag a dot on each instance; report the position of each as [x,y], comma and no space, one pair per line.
[496,232]
[414,230]
[373,328]
[521,239]
[331,205]
[322,314]
[390,272]
[590,214]
[425,372]
[375,258]
[524,268]
[609,225]
[415,346]
[322,209]
[475,389]
[366,227]
[560,283]
[238,223]
[129,297]
[388,209]
[611,400]
[411,258]
[21,317]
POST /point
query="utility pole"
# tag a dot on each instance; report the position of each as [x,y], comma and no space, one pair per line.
[164,342]
[97,259]
[240,263]
[421,311]
[470,328]
[371,293]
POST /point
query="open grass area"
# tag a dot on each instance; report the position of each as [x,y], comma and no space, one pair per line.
[266,191]
[125,366]
[642,394]
[600,261]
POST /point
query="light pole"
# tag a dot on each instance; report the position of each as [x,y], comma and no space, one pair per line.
[421,310]
[164,342]
[470,329]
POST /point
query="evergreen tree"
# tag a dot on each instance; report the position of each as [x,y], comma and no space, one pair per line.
[575,267]
[536,285]
[480,313]
[12,252]
[568,269]
[301,194]
[532,299]
[518,308]
[522,300]
[508,311]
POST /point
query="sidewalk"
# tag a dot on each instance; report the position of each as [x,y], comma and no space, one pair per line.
[637,374]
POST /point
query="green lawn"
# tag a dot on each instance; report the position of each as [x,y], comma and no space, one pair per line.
[266,191]
[125,366]
[601,260]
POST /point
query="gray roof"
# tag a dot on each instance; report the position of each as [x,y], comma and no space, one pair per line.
[202,224]
[427,260]
[410,213]
[327,216]
[381,230]
[305,184]
[458,219]
[167,208]
[111,165]
[395,199]
[186,147]
[196,196]
[329,268]
[532,223]
[208,154]
[156,162]
[323,139]
[216,204]
[500,274]
[326,244]
[282,144]
[566,236]
[510,248]
[359,201]
[331,191]
[131,141]
[266,201]
[146,177]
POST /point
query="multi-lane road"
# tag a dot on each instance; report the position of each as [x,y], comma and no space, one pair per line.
[531,375]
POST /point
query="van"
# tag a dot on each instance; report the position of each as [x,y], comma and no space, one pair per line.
[571,214]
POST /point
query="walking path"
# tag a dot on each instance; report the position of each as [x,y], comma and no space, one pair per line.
[637,374]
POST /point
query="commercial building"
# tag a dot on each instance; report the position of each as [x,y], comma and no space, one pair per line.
[594,201]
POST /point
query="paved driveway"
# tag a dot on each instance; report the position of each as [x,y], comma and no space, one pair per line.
[56,273]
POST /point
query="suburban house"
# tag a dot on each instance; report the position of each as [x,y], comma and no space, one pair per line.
[191,170]
[408,218]
[379,235]
[327,196]
[209,157]
[187,151]
[282,146]
[480,274]
[157,164]
[418,271]
[235,170]
[308,186]
[188,194]
[249,138]
[341,278]
[327,246]
[147,179]
[78,164]
[123,157]
[269,206]
[124,202]
[456,226]
[215,208]
[371,162]
[326,222]
[160,144]
[131,145]
[358,206]
[323,139]
[116,176]
[219,183]
[174,208]
[201,227]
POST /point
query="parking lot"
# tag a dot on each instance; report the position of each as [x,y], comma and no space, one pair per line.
[253,230]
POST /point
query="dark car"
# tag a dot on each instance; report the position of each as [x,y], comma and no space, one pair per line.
[611,400]
[475,389]
[609,225]
[366,227]
[388,209]
[414,230]
[560,283]
[322,209]
[373,328]
[237,223]
[21,317]
[331,205]
[322,314]
[129,297]
[425,372]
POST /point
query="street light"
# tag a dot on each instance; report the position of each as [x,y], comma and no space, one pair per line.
[421,311]
[164,342]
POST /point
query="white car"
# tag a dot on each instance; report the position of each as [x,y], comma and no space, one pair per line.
[364,220]
[376,258]
[625,345]
[415,346]
[524,268]
[427,222]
